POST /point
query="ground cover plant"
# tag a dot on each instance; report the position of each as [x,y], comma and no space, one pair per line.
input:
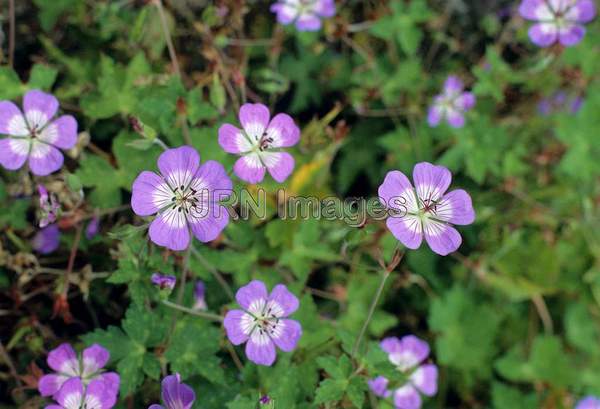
[299,204]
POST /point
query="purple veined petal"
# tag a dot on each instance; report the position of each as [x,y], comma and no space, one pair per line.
[583,11]
[282,302]
[589,402]
[543,34]
[260,349]
[112,381]
[63,359]
[238,325]
[435,115]
[46,240]
[14,152]
[466,101]
[170,229]
[61,133]
[249,168]
[379,387]
[391,345]
[431,181]
[94,359]
[425,379]
[407,352]
[97,397]
[48,385]
[44,159]
[283,131]
[39,108]
[70,396]
[253,296]
[396,192]
[233,140]
[456,119]
[453,85]
[571,35]
[279,164]
[212,177]
[149,194]
[407,229]
[254,119]
[286,12]
[286,334]
[325,8]
[178,166]
[53,407]
[455,207]
[12,121]
[209,222]
[535,10]
[155,406]
[308,22]
[407,397]
[441,237]
[177,395]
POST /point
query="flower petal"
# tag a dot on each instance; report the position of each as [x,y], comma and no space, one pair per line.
[112,381]
[178,166]
[97,396]
[64,360]
[260,349]
[44,159]
[46,240]
[407,397]
[253,296]
[434,115]
[535,10]
[286,334]
[453,85]
[155,406]
[61,133]
[571,35]
[379,387]
[39,108]
[425,379]
[279,164]
[249,168]
[238,326]
[94,359]
[12,121]
[213,178]
[70,396]
[442,238]
[407,352]
[14,152]
[254,119]
[208,222]
[308,22]
[149,194]
[583,11]
[176,394]
[233,140]
[170,229]
[589,402]
[282,302]
[465,101]
[283,131]
[543,34]
[396,192]
[407,229]
[455,207]
[456,119]
[286,13]
[325,8]
[431,181]
[48,385]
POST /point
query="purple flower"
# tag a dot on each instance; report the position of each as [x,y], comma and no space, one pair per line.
[184,196]
[264,400]
[163,281]
[426,210]
[49,206]
[407,355]
[258,143]
[33,136]
[560,101]
[175,395]
[92,228]
[46,240]
[306,13]
[263,323]
[98,394]
[451,104]
[199,300]
[86,370]
[557,20]
[589,402]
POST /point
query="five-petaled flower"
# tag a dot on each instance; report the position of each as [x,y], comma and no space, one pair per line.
[258,143]
[451,104]
[175,394]
[263,323]
[426,210]
[86,370]
[34,135]
[100,393]
[163,281]
[185,195]
[306,14]
[407,355]
[46,240]
[557,20]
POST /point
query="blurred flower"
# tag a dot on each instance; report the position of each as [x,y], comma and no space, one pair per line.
[92,228]
[46,240]
[74,394]
[185,195]
[86,370]
[199,301]
[175,395]
[33,136]
[426,210]
[163,281]
[589,402]
[407,355]
[560,102]
[48,206]
[262,323]
[306,14]
[451,104]
[258,142]
[557,20]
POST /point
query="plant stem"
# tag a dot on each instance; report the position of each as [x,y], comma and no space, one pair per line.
[203,314]
[220,279]
[11,33]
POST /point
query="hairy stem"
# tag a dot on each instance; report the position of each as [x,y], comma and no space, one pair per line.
[203,314]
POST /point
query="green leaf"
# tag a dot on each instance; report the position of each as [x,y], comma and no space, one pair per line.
[330,390]
[42,77]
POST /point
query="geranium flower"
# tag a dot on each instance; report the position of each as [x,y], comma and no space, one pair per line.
[163,281]
[99,394]
[46,240]
[185,195]
[558,20]
[258,143]
[589,402]
[262,323]
[407,355]
[175,395]
[426,210]
[451,104]
[68,366]
[199,296]
[49,206]
[34,136]
[306,14]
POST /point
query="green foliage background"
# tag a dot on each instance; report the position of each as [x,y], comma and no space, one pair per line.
[513,317]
